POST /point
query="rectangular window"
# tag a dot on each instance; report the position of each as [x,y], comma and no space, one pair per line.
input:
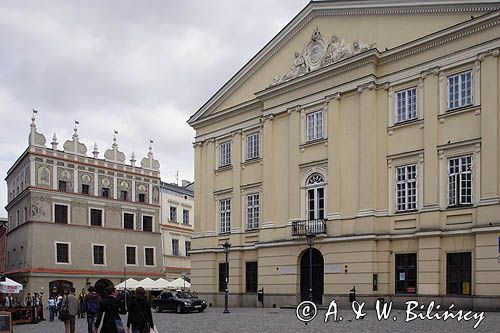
[173,214]
[406,273]
[147,223]
[406,104]
[460,181]
[62,186]
[315,125]
[123,195]
[187,246]
[225,215]
[85,189]
[128,221]
[149,256]
[225,154]
[175,247]
[406,187]
[459,90]
[105,192]
[316,203]
[60,214]
[458,273]
[253,211]
[185,216]
[142,197]
[251,276]
[222,276]
[253,146]
[62,253]
[98,254]
[96,217]
[25,214]
[131,255]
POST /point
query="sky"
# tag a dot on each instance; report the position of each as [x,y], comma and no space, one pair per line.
[138,67]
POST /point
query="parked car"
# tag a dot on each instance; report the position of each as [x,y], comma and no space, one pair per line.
[179,301]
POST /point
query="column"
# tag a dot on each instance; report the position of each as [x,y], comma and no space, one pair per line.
[293,163]
[334,145]
[211,202]
[199,183]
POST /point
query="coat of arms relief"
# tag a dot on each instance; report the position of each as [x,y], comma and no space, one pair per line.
[319,53]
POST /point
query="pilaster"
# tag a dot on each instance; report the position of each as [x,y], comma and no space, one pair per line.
[334,153]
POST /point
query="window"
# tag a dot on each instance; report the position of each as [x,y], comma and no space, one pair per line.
[128,221]
[173,214]
[25,214]
[60,214]
[315,197]
[406,187]
[175,247]
[459,90]
[253,146]
[406,104]
[187,246]
[251,276]
[225,154]
[315,125]
[142,197]
[98,255]
[62,253]
[185,216]
[458,273]
[460,181]
[123,195]
[406,273]
[147,223]
[105,192]
[62,186]
[131,255]
[222,276]
[225,215]
[85,189]
[18,218]
[96,217]
[149,256]
[253,211]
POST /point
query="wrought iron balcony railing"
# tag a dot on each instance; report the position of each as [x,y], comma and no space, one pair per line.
[308,227]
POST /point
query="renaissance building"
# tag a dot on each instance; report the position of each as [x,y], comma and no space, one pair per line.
[371,130]
[77,220]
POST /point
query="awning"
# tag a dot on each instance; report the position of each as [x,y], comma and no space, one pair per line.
[10,287]
[130,283]
[179,283]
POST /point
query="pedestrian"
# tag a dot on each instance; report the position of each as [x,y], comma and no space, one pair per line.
[109,312]
[59,303]
[81,300]
[28,300]
[69,310]
[52,307]
[92,303]
[8,301]
[140,317]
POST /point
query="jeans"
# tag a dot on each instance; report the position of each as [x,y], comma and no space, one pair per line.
[90,322]
[52,312]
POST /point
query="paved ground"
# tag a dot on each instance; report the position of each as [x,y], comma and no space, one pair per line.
[284,320]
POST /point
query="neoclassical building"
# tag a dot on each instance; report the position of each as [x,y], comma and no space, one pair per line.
[373,128]
[79,220]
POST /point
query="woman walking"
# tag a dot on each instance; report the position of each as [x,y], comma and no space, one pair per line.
[139,313]
[109,312]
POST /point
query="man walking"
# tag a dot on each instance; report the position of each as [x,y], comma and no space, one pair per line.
[70,303]
[92,304]
[52,307]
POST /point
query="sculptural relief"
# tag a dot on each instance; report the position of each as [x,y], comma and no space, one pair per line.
[43,176]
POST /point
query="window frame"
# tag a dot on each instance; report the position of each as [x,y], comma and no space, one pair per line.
[406,268]
[315,187]
[460,97]
[461,268]
[225,154]
[68,212]
[105,190]
[252,225]
[125,246]
[141,197]
[226,219]
[459,189]
[222,277]
[133,220]
[152,222]
[316,135]
[172,209]
[186,250]
[406,182]
[407,104]
[62,186]
[184,221]
[104,255]
[178,247]
[154,256]
[90,216]
[87,186]
[252,147]
[69,252]
[256,272]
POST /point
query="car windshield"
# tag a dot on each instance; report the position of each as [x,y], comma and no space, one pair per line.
[184,294]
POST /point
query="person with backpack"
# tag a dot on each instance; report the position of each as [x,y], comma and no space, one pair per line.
[140,317]
[92,301]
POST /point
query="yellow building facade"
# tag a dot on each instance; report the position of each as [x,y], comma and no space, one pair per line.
[373,127]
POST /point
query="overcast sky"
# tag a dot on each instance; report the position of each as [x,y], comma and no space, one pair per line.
[140,67]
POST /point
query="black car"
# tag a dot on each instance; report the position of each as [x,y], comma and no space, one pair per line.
[179,301]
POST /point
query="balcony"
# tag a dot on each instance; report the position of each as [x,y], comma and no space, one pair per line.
[308,227]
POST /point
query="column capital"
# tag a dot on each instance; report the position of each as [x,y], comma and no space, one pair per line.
[492,52]
[431,71]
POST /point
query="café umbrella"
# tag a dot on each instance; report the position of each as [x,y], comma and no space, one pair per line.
[10,286]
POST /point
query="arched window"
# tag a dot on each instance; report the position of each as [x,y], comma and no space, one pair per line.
[315,196]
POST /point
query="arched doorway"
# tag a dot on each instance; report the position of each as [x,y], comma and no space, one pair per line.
[58,287]
[101,285]
[317,275]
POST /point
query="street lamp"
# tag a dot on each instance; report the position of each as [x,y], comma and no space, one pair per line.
[310,243]
[226,247]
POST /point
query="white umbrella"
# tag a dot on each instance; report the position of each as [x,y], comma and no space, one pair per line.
[180,283]
[147,284]
[161,284]
[131,284]
[10,287]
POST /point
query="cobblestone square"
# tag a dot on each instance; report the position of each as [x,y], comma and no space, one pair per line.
[284,320]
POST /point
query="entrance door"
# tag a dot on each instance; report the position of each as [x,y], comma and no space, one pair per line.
[317,275]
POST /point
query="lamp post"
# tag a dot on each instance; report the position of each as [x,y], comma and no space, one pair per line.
[226,247]
[310,243]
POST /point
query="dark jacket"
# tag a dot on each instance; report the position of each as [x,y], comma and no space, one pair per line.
[91,297]
[111,308]
[139,312]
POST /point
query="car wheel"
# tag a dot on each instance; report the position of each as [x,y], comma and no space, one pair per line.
[158,309]
[179,308]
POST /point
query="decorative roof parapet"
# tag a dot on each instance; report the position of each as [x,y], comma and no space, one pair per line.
[319,53]
[113,154]
[35,138]
[149,162]
[74,146]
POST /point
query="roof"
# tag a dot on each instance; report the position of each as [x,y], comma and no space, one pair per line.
[176,188]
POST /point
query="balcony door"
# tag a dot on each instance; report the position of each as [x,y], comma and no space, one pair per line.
[315,196]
